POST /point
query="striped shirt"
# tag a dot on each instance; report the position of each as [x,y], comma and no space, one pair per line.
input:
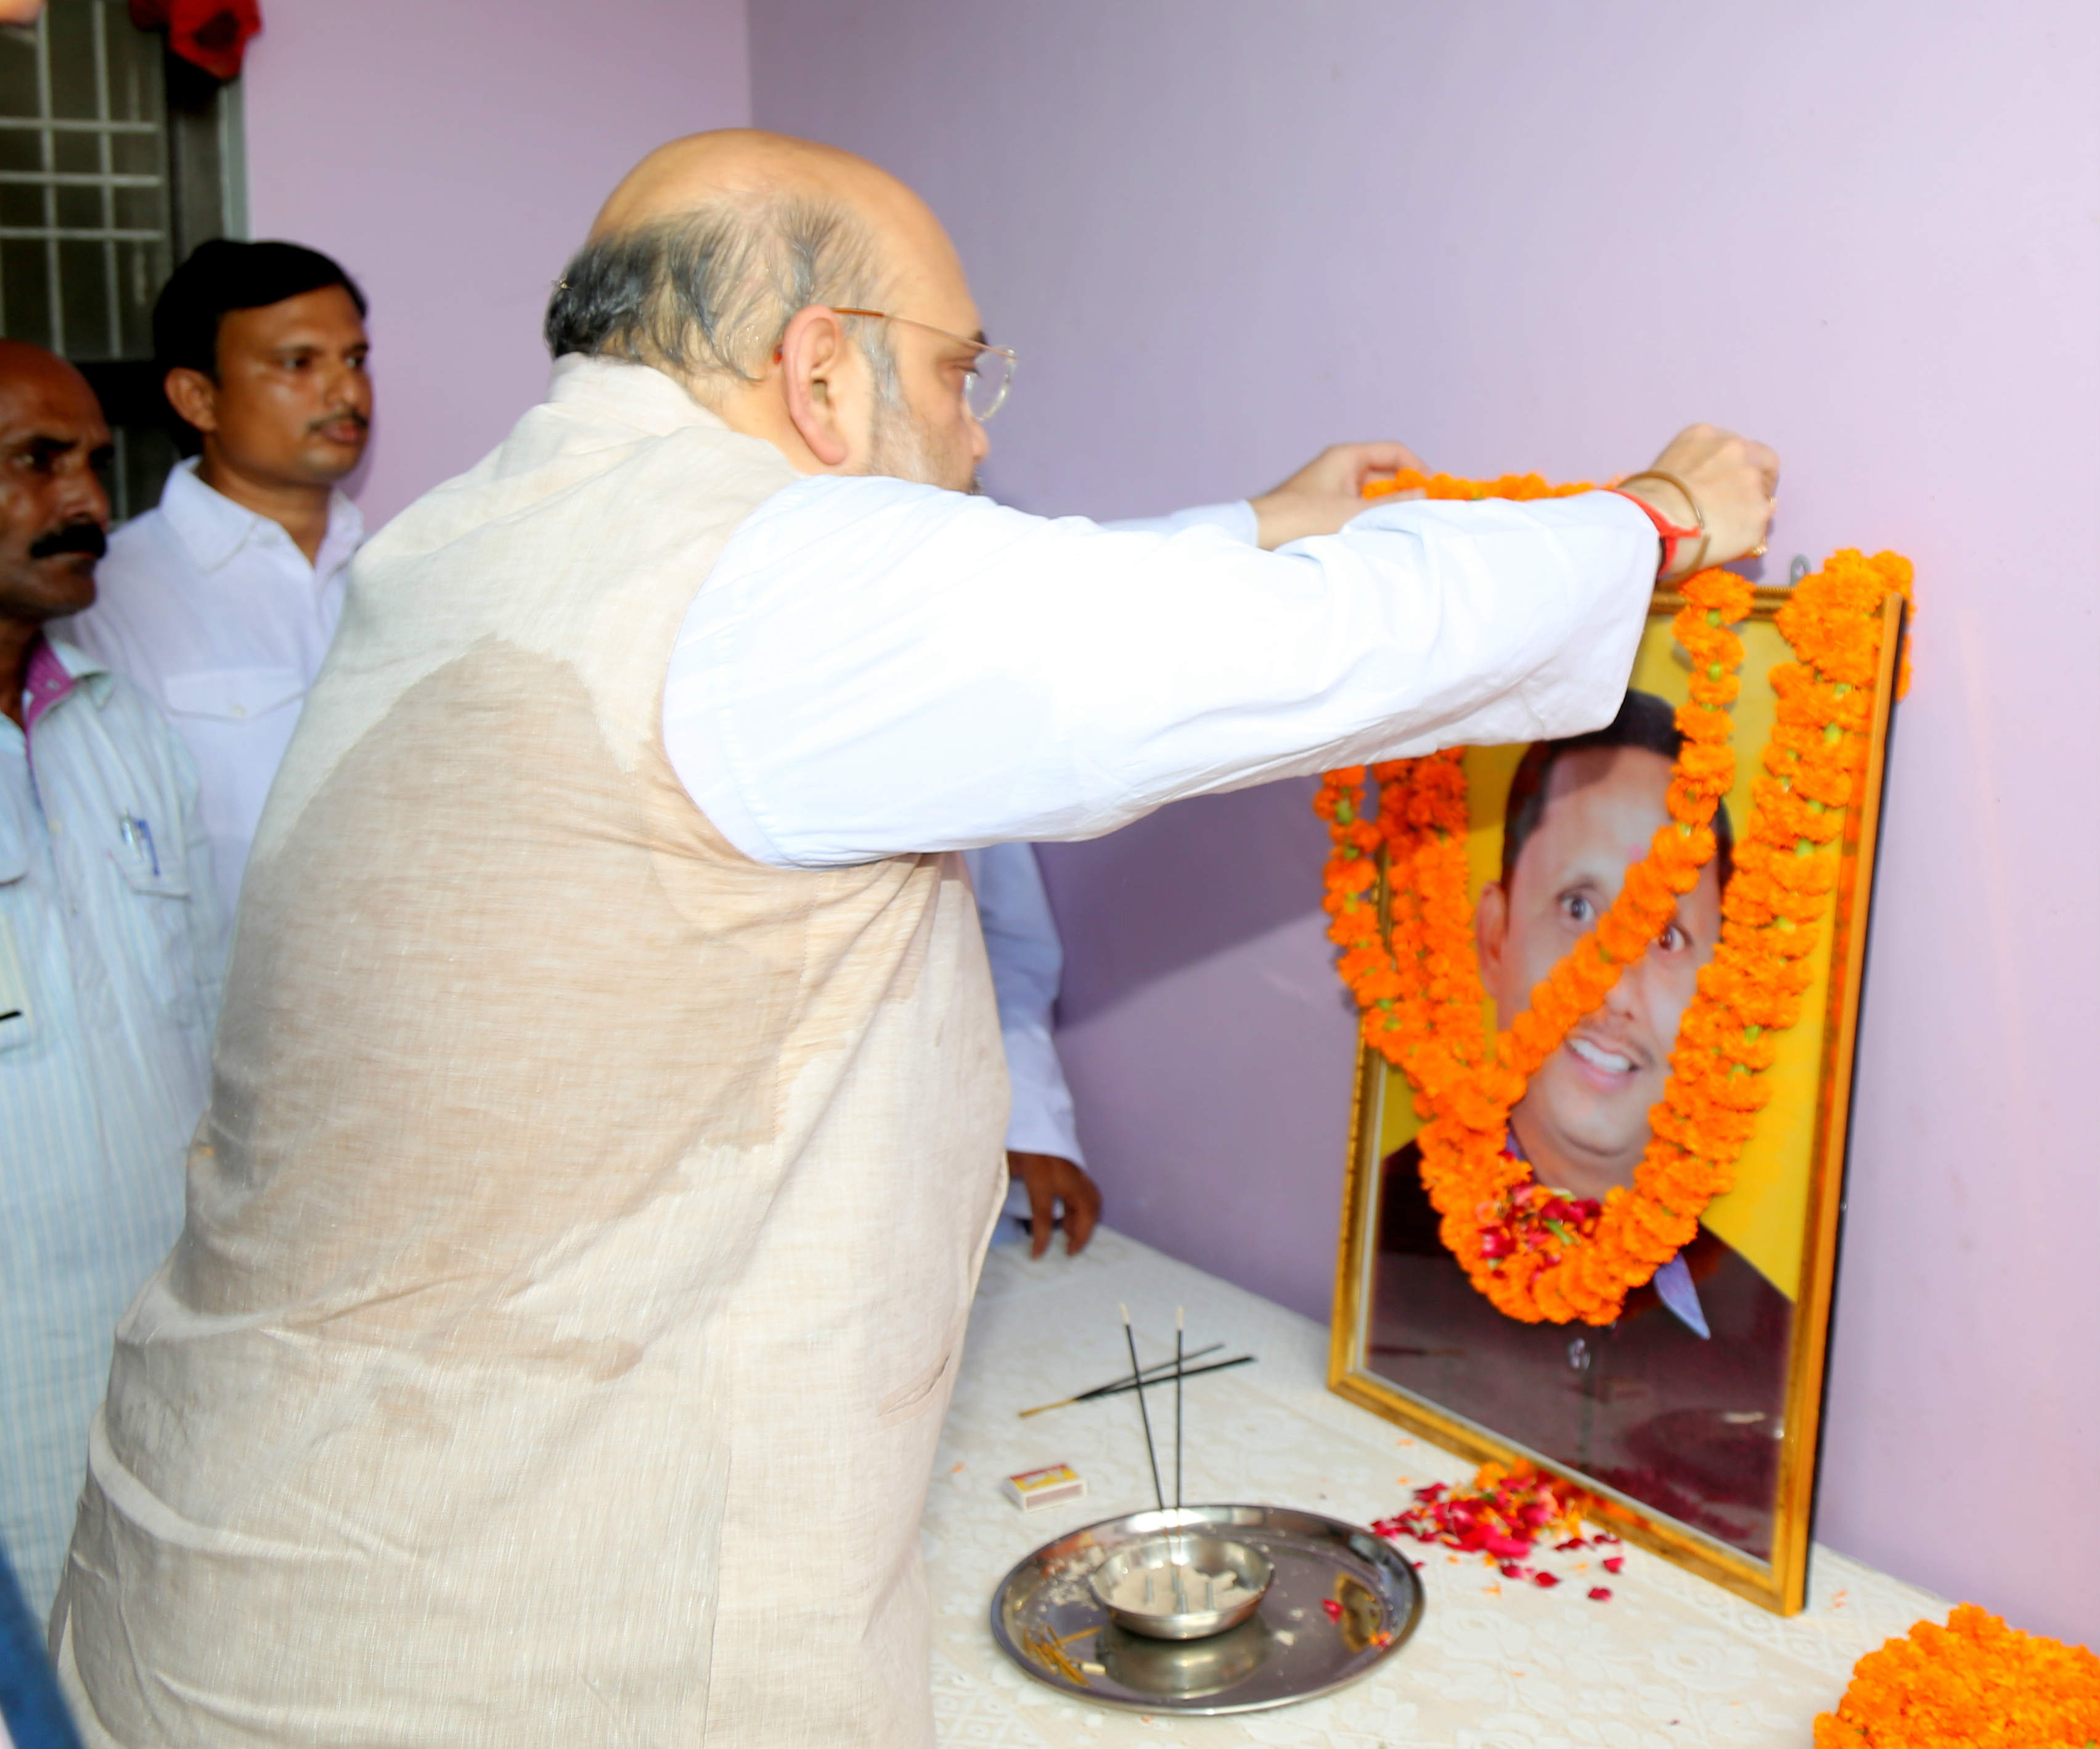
[111,952]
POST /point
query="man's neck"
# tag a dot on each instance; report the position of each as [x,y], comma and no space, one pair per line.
[1553,1168]
[302,511]
[18,638]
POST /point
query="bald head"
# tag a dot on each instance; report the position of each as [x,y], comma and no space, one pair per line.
[804,295]
[29,372]
[746,168]
[746,164]
[711,244]
[53,509]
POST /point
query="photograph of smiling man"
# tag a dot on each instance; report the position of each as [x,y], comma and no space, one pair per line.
[1678,1402]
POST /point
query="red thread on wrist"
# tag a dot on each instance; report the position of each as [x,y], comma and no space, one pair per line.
[1670,532]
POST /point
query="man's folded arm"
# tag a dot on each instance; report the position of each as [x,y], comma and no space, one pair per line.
[875,668]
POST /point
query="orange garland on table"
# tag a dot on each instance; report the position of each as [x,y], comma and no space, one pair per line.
[1538,1255]
[1974,1684]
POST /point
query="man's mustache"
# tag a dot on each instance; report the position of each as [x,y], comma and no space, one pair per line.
[361,421]
[73,538]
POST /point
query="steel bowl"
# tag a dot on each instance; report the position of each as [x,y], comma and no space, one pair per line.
[1176,1557]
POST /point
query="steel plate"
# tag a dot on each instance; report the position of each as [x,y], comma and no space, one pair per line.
[1046,1618]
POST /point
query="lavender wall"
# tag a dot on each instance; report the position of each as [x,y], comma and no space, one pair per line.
[1222,234]
[451,156]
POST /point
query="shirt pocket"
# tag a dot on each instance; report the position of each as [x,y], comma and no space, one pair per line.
[159,924]
[233,694]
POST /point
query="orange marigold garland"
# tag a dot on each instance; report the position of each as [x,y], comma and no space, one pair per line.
[1974,1684]
[1536,1254]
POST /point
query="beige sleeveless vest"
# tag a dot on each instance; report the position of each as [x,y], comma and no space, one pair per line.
[581,1234]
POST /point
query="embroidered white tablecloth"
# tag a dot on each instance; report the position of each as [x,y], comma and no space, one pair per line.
[1670,1660]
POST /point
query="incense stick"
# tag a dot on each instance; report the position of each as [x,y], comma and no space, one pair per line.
[1144,1414]
[1120,1382]
[1123,1384]
[1177,1408]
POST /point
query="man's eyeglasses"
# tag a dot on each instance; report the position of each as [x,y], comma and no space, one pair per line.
[990,372]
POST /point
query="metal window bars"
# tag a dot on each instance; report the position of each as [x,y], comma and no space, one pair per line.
[87,213]
[84,240]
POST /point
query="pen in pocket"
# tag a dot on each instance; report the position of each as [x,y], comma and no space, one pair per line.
[137,836]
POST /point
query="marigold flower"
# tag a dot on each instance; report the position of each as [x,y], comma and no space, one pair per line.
[1974,1684]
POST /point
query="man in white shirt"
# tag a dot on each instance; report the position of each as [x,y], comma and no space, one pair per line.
[608,1099]
[222,603]
[109,968]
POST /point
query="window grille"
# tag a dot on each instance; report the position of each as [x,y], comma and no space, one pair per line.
[113,158]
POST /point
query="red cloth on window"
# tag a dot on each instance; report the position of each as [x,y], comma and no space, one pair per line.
[213,33]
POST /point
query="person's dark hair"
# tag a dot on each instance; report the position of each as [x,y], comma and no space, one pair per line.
[1644,721]
[708,293]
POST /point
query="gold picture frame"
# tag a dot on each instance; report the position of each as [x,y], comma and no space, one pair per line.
[1767,1564]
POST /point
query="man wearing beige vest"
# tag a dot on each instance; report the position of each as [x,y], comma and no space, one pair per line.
[608,1103]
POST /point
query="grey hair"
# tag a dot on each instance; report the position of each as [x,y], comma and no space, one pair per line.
[708,293]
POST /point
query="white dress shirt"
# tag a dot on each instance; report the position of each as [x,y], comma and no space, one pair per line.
[216,613]
[874,668]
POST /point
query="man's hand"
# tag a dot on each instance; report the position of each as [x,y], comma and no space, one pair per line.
[1051,1181]
[1327,491]
[1734,480]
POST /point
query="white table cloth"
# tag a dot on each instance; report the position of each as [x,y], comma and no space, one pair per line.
[1670,1660]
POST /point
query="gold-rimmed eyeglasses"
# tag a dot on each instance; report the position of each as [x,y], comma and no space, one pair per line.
[990,372]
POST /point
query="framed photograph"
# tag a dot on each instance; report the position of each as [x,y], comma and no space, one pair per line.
[1693,1413]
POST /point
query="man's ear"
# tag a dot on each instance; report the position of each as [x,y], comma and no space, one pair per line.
[1491,932]
[816,361]
[193,395]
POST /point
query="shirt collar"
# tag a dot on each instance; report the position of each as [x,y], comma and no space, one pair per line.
[212,527]
[56,670]
[639,396]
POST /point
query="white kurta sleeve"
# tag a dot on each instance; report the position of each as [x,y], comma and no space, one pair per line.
[875,668]
[1237,519]
[1027,964]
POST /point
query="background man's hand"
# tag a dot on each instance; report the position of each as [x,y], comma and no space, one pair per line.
[1734,478]
[1050,1181]
[1327,491]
